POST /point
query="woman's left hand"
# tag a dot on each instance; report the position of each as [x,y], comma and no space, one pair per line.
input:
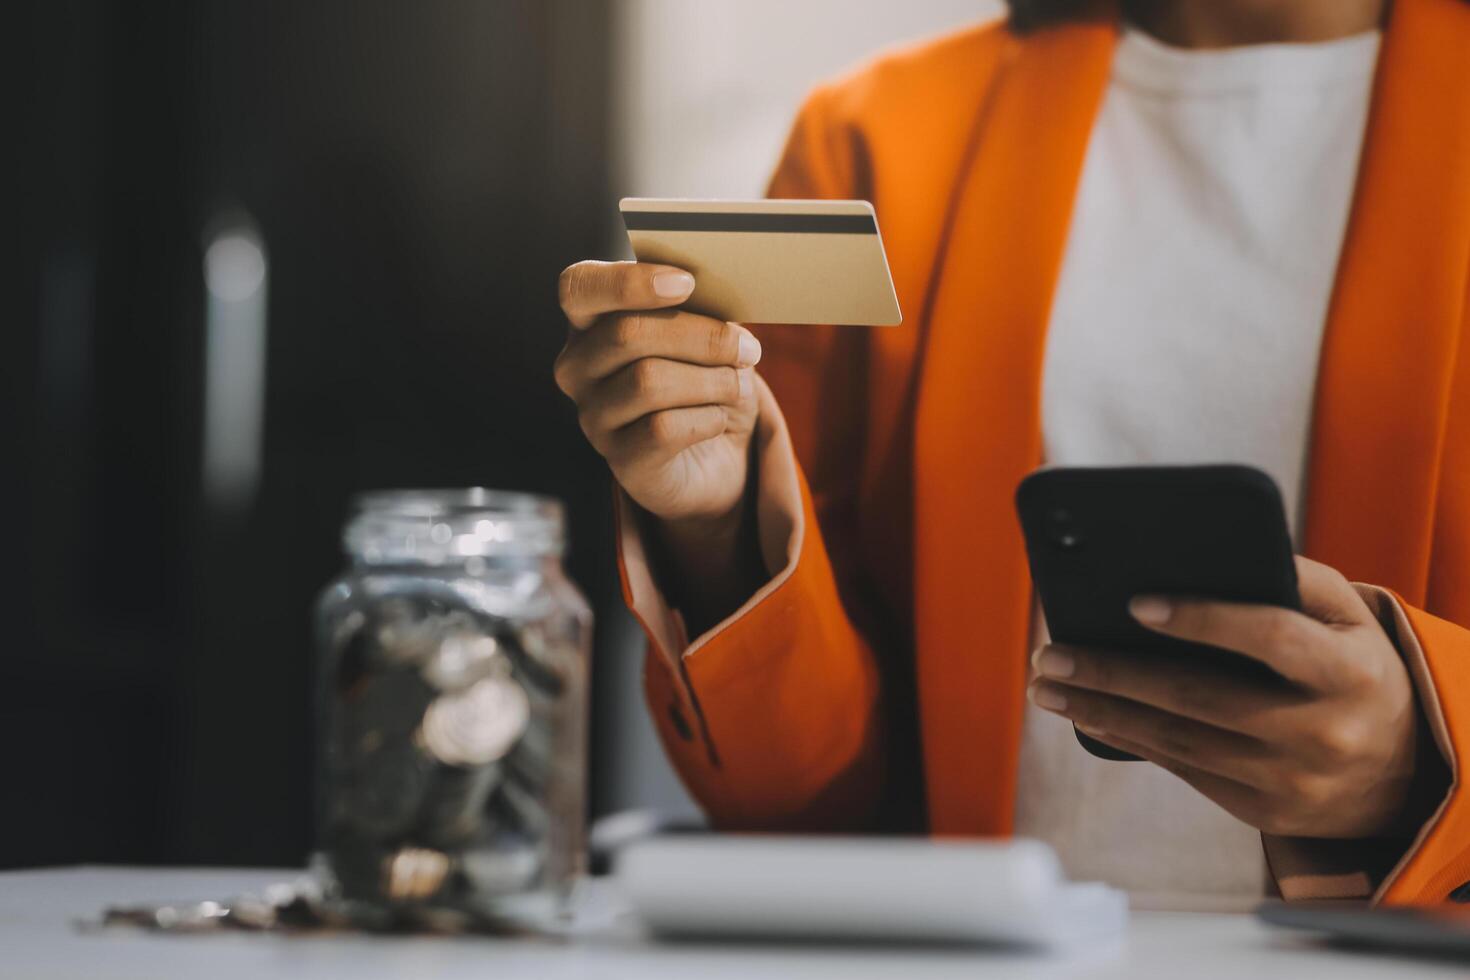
[1328,753]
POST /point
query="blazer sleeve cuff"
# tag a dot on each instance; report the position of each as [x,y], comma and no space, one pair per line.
[1311,868]
[780,528]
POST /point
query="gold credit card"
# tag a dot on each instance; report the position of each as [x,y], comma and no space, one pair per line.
[771,261]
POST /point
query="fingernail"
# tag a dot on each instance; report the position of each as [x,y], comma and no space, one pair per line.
[1054,663]
[1048,697]
[749,354]
[1151,609]
[746,384]
[1092,730]
[671,285]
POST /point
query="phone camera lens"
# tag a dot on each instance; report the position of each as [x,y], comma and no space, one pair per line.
[1062,530]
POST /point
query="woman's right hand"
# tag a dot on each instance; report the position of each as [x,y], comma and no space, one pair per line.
[666,396]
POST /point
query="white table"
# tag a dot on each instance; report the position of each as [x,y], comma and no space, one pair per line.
[38,940]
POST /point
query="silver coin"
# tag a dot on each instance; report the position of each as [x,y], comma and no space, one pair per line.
[381,796]
[463,657]
[454,807]
[409,634]
[509,866]
[477,725]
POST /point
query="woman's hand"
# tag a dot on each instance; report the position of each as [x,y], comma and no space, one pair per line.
[1330,752]
[667,397]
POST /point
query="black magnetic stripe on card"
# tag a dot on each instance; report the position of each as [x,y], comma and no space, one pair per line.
[825,224]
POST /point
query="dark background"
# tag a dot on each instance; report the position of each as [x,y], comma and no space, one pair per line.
[419,173]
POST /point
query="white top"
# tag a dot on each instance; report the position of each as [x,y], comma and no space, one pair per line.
[1185,328]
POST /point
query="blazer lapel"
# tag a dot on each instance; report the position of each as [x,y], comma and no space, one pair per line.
[977,423]
[1390,345]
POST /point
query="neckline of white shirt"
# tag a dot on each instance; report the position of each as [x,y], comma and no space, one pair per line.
[1147,64]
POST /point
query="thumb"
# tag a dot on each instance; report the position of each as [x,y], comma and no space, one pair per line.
[1327,596]
[589,289]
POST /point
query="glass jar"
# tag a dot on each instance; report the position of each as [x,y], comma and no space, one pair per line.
[452,694]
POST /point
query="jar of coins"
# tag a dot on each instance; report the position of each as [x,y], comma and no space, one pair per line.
[452,713]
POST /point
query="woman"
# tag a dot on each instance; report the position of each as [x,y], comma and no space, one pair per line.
[1186,230]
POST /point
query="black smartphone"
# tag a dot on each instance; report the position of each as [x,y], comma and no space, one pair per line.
[1097,537]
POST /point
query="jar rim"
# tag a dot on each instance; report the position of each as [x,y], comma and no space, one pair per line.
[437,526]
[430,501]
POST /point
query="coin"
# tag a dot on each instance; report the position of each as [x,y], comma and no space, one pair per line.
[462,657]
[409,630]
[539,657]
[354,653]
[390,702]
[477,725]
[454,805]
[509,865]
[522,810]
[355,862]
[385,788]
[414,873]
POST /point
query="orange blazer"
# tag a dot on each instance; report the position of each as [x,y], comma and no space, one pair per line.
[877,681]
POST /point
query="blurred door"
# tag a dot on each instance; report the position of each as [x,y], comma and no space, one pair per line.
[412,176]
